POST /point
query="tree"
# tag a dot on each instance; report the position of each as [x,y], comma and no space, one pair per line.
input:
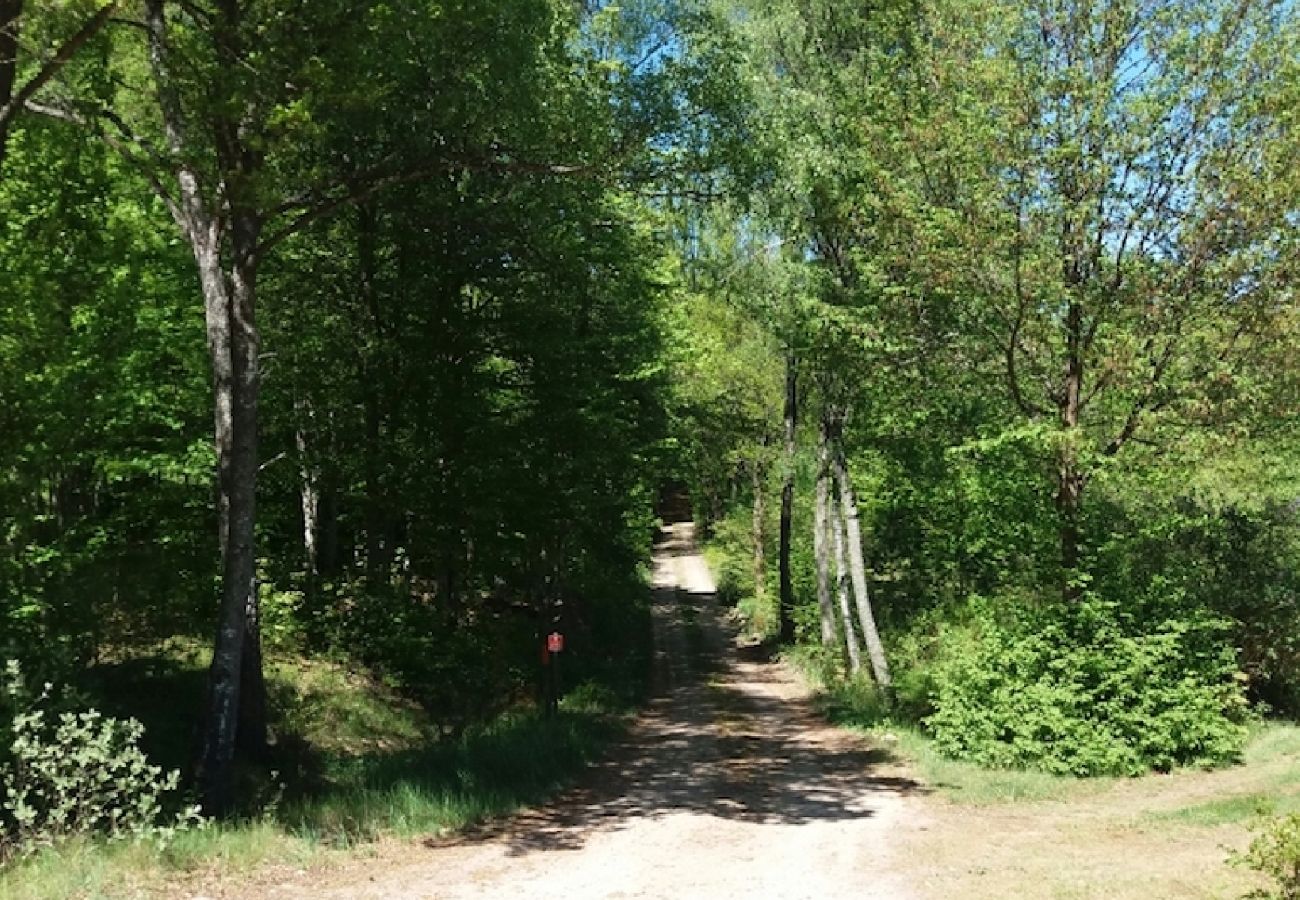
[13,94]
[224,121]
[821,540]
[790,415]
[1133,235]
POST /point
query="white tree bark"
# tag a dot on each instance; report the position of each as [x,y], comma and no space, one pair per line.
[821,535]
[858,571]
[842,591]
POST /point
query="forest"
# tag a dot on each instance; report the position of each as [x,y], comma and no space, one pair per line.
[347,349]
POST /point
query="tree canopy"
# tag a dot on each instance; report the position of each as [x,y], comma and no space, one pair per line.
[375,331]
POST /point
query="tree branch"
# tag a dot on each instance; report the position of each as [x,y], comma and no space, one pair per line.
[13,105]
[316,205]
[121,144]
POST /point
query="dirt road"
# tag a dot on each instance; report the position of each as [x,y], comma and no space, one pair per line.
[728,786]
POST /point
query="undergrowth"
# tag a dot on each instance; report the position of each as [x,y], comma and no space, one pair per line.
[857,704]
[1271,753]
[1275,852]
[353,761]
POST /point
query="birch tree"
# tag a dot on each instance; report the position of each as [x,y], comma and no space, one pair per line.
[223,110]
[1125,186]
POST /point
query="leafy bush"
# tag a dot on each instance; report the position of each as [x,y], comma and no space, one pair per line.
[1083,691]
[1275,851]
[78,773]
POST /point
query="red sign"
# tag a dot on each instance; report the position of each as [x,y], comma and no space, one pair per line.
[554,642]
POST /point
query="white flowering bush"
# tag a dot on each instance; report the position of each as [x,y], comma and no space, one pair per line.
[79,773]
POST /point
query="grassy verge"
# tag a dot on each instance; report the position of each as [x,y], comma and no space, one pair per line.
[992,833]
[1000,834]
[354,762]
[515,762]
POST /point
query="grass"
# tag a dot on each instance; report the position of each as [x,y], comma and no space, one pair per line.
[92,870]
[1238,808]
[515,762]
[974,785]
[735,585]
[1267,783]
[996,834]
[356,762]
[993,833]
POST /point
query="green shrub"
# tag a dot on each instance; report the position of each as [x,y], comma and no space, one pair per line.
[78,773]
[1275,851]
[1083,691]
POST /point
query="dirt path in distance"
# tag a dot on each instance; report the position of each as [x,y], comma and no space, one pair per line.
[729,785]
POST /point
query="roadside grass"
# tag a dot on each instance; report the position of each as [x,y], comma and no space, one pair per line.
[974,785]
[991,833]
[734,588]
[1238,808]
[1266,783]
[516,761]
[92,870]
[353,762]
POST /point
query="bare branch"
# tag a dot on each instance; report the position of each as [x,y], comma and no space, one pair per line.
[1013,376]
[129,23]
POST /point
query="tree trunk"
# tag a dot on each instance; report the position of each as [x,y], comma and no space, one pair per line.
[821,550]
[246,349]
[309,495]
[786,611]
[1069,486]
[220,721]
[851,644]
[10,23]
[236,707]
[227,309]
[858,571]
[759,530]
[251,731]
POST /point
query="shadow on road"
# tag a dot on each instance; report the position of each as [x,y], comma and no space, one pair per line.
[723,741]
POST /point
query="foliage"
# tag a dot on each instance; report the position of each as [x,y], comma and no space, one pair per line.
[79,774]
[355,759]
[1061,380]
[1089,692]
[523,262]
[465,376]
[103,469]
[1275,851]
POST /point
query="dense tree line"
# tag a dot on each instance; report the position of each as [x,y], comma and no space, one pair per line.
[432,308]
[1038,282]
[970,326]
